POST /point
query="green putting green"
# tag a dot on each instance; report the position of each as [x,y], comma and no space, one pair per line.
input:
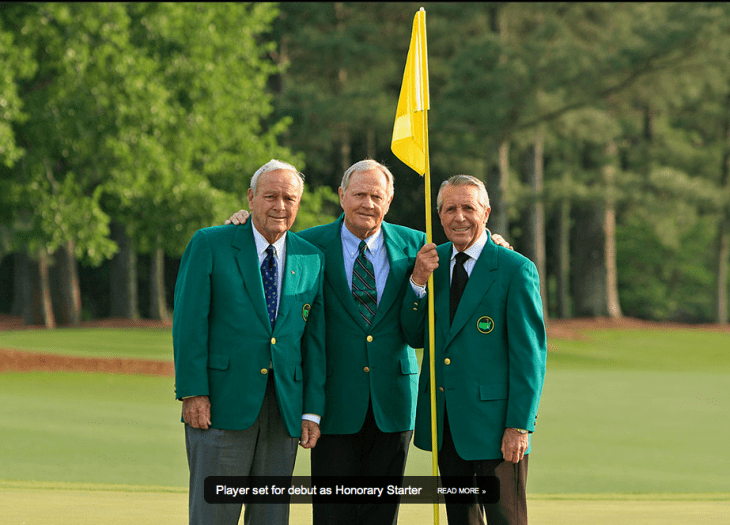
[139,343]
[35,503]
[624,412]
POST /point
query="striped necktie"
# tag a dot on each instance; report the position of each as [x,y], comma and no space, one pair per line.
[269,274]
[363,286]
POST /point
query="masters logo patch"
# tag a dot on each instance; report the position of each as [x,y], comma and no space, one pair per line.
[485,324]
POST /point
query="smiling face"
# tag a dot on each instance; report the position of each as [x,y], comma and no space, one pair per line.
[463,216]
[275,204]
[365,201]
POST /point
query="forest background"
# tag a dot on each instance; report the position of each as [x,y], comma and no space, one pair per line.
[602,131]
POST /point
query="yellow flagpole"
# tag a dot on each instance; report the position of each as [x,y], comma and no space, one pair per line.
[431,336]
[431,313]
[411,147]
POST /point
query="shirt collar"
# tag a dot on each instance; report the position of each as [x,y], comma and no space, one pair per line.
[262,243]
[351,242]
[475,250]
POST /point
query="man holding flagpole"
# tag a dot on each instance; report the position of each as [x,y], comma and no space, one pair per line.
[489,354]
[480,324]
[370,392]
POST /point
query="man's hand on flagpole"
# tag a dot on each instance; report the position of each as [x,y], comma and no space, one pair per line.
[427,260]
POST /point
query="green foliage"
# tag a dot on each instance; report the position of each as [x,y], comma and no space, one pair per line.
[15,64]
[664,272]
[319,207]
[155,115]
[148,114]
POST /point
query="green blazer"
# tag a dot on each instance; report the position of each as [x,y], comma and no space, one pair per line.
[222,338]
[367,363]
[490,364]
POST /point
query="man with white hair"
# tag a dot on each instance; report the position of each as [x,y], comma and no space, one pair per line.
[490,353]
[371,371]
[248,336]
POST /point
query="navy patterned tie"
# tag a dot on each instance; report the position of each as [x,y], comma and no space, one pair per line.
[363,285]
[269,274]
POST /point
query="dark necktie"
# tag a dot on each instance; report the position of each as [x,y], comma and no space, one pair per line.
[363,286]
[459,277]
[269,274]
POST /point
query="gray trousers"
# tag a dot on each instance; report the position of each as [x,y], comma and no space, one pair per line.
[264,449]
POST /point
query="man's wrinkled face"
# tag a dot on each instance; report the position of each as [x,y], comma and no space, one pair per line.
[275,204]
[463,216]
[365,202]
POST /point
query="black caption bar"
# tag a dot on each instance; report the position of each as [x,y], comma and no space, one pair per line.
[374,489]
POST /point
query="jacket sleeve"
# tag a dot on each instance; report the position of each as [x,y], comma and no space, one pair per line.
[190,318]
[413,317]
[527,347]
[314,362]
[414,309]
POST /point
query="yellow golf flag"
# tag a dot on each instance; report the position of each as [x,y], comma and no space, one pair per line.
[409,140]
[410,144]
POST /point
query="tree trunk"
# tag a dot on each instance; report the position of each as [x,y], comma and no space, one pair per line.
[19,283]
[721,268]
[535,215]
[123,276]
[371,144]
[345,150]
[609,225]
[65,285]
[344,132]
[158,302]
[588,276]
[36,291]
[563,255]
[722,241]
[594,277]
[497,188]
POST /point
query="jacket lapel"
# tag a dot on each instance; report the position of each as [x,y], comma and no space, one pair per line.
[334,271]
[480,281]
[292,276]
[441,280]
[398,261]
[247,260]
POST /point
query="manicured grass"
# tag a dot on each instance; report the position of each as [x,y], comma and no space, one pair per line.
[89,504]
[628,411]
[618,423]
[99,428]
[634,431]
[141,343]
[672,350]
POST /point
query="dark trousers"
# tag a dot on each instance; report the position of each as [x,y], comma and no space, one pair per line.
[511,509]
[369,452]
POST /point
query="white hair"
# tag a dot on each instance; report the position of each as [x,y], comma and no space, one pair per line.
[367,165]
[463,180]
[274,165]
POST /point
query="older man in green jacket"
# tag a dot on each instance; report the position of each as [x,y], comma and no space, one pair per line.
[371,371]
[248,336]
[490,352]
